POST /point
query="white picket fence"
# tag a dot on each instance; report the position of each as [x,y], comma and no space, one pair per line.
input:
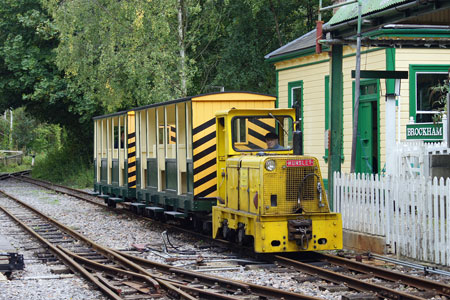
[412,157]
[413,214]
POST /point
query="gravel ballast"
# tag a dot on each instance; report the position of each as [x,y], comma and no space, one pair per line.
[120,231]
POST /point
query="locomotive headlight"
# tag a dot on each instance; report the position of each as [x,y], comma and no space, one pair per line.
[270,165]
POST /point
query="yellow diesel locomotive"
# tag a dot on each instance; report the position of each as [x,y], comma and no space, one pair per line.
[229,163]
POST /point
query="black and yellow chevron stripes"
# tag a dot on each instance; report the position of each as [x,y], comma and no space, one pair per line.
[131,142]
[204,148]
[172,135]
[257,129]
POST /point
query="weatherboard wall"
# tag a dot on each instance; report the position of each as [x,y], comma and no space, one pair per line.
[311,71]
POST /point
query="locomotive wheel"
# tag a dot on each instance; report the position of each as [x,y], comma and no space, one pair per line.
[240,236]
[231,236]
[197,224]
[225,230]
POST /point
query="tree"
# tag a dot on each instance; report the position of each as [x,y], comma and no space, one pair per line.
[29,76]
[32,136]
[250,30]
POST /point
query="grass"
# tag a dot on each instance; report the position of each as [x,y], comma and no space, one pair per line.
[11,168]
[65,167]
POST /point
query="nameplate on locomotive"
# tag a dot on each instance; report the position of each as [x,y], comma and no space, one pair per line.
[300,163]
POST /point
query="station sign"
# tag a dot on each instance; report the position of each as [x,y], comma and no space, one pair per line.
[425,131]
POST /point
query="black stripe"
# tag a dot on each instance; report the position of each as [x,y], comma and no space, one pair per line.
[205,152]
[206,192]
[132,164]
[205,179]
[205,166]
[253,146]
[173,129]
[204,126]
[132,135]
[133,144]
[130,184]
[132,154]
[262,124]
[131,174]
[173,139]
[256,135]
[204,139]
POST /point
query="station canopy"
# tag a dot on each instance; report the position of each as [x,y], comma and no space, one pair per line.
[393,23]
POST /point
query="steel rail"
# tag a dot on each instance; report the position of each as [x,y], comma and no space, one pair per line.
[411,265]
[211,279]
[378,272]
[256,289]
[9,175]
[105,268]
[136,264]
[68,261]
[417,282]
[113,270]
[105,251]
[50,185]
[350,282]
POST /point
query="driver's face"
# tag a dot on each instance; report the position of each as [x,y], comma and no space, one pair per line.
[271,143]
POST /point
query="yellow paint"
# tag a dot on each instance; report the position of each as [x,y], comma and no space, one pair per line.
[263,201]
[132,139]
[234,97]
[266,230]
[204,109]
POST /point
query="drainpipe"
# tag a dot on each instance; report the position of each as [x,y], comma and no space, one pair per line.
[448,107]
[357,89]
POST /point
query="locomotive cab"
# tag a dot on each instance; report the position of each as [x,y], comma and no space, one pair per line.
[265,194]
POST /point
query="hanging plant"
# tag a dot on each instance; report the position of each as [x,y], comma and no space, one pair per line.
[438,99]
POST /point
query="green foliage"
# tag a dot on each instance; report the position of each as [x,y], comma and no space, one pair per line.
[11,168]
[4,134]
[29,76]
[32,136]
[64,166]
[242,33]
[118,54]
[121,54]
[438,99]
[67,61]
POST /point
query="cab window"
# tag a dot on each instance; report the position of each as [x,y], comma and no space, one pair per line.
[262,133]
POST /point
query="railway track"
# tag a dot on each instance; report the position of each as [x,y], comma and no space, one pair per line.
[377,282]
[123,276]
[341,273]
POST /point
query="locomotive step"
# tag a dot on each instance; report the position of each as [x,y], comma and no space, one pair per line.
[154,209]
[175,214]
[137,207]
[116,200]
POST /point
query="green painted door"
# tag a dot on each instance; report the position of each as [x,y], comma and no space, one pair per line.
[367,146]
[365,139]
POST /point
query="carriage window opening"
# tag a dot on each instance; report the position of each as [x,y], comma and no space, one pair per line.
[161,135]
[119,136]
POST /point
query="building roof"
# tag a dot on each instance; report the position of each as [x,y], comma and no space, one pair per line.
[306,41]
[425,24]
[350,11]
[378,13]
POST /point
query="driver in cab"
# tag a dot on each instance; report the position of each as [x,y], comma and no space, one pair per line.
[272,141]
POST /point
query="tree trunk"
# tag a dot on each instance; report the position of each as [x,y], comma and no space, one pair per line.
[181,44]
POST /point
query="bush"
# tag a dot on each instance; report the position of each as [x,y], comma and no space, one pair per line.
[65,166]
[11,168]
